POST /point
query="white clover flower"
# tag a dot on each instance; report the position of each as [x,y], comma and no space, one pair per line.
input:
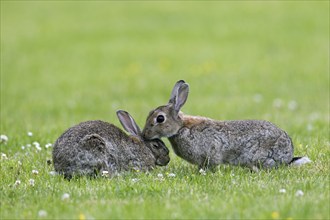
[31,182]
[65,197]
[3,138]
[278,103]
[3,156]
[299,193]
[37,145]
[48,145]
[52,173]
[42,213]
[171,175]
[23,147]
[160,177]
[105,173]
[134,180]
[282,191]
[30,134]
[292,105]
[35,172]
[202,172]
[28,145]
[17,182]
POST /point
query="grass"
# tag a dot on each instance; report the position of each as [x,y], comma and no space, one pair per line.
[67,62]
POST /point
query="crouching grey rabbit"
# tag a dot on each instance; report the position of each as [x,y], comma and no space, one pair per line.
[207,143]
[92,147]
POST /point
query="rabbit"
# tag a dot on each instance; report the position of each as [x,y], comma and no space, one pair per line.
[92,147]
[207,143]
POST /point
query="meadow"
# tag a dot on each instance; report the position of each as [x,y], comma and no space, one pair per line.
[67,62]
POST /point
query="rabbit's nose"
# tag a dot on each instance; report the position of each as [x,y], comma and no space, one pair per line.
[162,161]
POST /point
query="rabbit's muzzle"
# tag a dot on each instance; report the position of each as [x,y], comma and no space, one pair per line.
[163,161]
[149,135]
[159,151]
[162,155]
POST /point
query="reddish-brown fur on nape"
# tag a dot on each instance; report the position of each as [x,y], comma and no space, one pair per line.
[189,121]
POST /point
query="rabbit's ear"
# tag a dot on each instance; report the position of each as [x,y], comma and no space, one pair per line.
[181,97]
[175,91]
[128,123]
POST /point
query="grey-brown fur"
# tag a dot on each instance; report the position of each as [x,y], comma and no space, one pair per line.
[95,146]
[207,143]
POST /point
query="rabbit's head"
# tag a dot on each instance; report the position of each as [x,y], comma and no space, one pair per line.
[156,146]
[165,120]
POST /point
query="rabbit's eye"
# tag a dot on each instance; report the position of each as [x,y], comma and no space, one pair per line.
[160,119]
[157,146]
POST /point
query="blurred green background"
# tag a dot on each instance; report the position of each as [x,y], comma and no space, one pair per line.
[63,62]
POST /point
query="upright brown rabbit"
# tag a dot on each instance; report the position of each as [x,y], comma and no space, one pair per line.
[207,142]
[95,146]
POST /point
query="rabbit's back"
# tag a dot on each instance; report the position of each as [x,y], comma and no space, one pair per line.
[257,143]
[94,146]
[78,151]
[247,143]
[77,132]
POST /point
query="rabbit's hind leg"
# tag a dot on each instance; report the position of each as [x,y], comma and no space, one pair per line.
[91,159]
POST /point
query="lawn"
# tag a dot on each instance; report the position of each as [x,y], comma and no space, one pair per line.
[67,62]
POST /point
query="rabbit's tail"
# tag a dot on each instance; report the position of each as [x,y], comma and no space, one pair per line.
[298,161]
